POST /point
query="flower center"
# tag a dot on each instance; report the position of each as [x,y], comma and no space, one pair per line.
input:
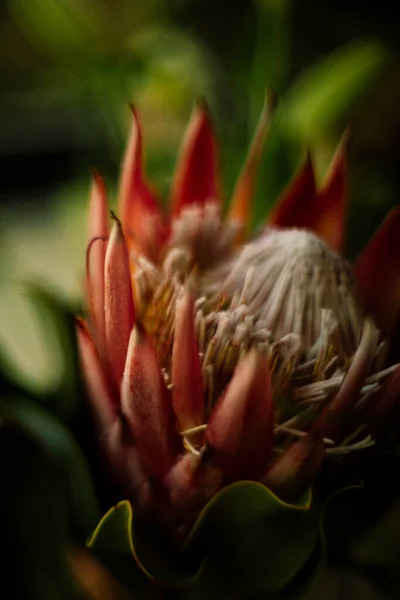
[285,292]
[292,283]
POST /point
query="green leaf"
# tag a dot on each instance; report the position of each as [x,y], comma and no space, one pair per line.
[56,443]
[328,90]
[114,532]
[254,541]
[115,542]
[225,550]
[33,519]
[245,541]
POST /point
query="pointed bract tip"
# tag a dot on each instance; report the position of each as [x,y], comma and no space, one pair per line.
[117,233]
[113,216]
[240,427]
[136,123]
[80,323]
[295,470]
[347,139]
[94,173]
[350,132]
[377,273]
[146,405]
[98,207]
[333,420]
[271,99]
[297,205]
[118,300]
[201,104]
[133,108]
[196,179]
[241,204]
[186,375]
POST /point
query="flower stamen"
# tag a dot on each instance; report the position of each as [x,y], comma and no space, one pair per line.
[194,430]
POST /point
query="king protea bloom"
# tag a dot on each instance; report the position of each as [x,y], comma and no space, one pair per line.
[211,355]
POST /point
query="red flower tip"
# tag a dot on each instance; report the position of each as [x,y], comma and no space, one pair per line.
[138,205]
[241,203]
[297,204]
[334,419]
[196,178]
[323,211]
[377,272]
[147,407]
[131,171]
[333,197]
[98,208]
[186,378]
[118,302]
[295,470]
[202,105]
[134,110]
[240,428]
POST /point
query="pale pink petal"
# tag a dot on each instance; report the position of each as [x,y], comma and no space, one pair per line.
[240,428]
[196,173]
[377,272]
[186,377]
[147,407]
[119,308]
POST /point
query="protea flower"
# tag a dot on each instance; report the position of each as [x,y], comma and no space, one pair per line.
[212,355]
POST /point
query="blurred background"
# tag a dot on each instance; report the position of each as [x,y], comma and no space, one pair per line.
[69,68]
